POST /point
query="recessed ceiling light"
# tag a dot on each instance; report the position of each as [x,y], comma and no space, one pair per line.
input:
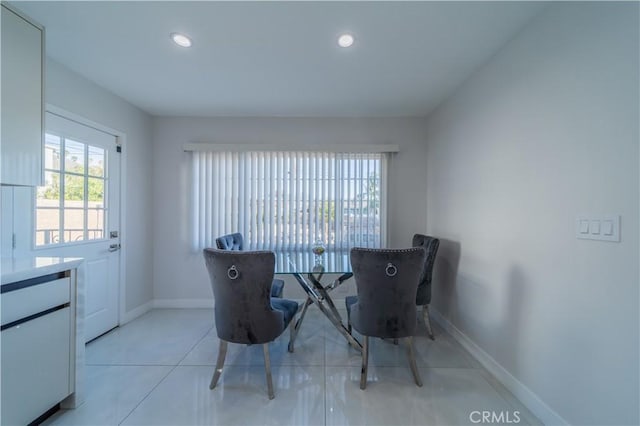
[345,40]
[181,40]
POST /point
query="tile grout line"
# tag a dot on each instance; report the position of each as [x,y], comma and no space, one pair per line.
[147,395]
[165,376]
[528,415]
[497,391]
[494,384]
[331,341]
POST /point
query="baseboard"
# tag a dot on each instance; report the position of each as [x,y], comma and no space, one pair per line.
[530,400]
[136,312]
[182,303]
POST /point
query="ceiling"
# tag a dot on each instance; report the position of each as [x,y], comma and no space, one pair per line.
[278,58]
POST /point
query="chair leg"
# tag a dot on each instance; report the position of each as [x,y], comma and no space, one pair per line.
[412,362]
[292,335]
[267,367]
[298,323]
[427,321]
[365,363]
[222,353]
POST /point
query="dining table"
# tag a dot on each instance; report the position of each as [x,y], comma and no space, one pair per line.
[311,272]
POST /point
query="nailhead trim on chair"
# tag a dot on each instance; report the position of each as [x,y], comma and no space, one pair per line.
[235,252]
[403,250]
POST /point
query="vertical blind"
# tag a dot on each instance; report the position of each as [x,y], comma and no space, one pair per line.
[285,201]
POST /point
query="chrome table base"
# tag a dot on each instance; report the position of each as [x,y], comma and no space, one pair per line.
[319,294]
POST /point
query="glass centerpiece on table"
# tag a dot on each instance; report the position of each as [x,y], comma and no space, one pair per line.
[318,250]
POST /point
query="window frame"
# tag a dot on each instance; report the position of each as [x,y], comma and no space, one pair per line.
[61,208]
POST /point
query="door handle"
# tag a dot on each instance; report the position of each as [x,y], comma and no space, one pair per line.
[114,247]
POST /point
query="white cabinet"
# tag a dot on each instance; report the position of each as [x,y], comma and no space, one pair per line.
[38,355]
[35,367]
[22,95]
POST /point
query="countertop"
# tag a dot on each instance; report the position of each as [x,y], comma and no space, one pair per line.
[24,268]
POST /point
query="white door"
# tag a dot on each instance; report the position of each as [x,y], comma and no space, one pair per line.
[78,213]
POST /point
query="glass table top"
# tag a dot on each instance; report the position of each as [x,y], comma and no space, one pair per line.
[306,262]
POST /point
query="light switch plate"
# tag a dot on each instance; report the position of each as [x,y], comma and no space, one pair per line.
[584,226]
[601,228]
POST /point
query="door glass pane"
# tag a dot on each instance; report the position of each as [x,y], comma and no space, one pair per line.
[49,194]
[74,156]
[52,152]
[95,224]
[73,190]
[96,161]
[96,193]
[47,226]
[73,225]
[71,205]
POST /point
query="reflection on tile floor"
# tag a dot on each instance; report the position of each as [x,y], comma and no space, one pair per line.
[156,370]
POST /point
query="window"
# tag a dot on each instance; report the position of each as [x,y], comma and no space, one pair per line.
[70,207]
[285,201]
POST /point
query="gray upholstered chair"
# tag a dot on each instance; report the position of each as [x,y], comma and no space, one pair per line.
[244,310]
[236,242]
[386,281]
[423,297]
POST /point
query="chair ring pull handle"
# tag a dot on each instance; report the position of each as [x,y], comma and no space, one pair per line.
[233,273]
[391,270]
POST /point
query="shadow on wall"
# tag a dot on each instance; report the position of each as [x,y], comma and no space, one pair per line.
[445,276]
[509,333]
[491,314]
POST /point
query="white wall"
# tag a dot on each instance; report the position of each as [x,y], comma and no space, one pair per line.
[180,275]
[546,131]
[73,93]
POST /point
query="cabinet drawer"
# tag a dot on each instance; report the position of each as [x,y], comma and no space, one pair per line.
[35,367]
[31,300]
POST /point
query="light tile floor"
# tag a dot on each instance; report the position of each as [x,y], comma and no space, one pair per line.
[156,371]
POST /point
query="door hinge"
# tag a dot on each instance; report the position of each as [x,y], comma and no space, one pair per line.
[13,240]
